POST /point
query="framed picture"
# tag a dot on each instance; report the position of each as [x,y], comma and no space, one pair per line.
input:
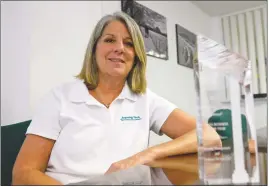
[186,46]
[152,26]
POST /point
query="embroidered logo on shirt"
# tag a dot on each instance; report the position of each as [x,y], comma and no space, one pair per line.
[130,118]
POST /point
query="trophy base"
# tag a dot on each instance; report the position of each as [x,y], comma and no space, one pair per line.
[240,177]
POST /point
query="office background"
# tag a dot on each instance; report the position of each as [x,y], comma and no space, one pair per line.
[43,44]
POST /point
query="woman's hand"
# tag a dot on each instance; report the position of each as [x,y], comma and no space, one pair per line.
[144,157]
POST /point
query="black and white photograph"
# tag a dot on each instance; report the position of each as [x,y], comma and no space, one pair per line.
[152,26]
[186,46]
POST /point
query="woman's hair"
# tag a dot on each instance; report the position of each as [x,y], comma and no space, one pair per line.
[136,78]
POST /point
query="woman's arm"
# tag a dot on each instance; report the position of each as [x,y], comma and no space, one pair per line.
[179,126]
[31,163]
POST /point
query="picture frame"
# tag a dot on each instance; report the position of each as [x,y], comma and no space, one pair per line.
[186,46]
[153,27]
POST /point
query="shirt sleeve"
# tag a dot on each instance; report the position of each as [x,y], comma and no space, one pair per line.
[159,110]
[45,121]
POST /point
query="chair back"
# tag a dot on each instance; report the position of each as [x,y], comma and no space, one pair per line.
[12,137]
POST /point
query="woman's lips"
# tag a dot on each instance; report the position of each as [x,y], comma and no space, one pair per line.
[116,60]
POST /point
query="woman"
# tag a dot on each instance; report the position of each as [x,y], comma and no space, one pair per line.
[101,122]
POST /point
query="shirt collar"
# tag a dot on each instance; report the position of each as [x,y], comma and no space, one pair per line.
[79,93]
[127,93]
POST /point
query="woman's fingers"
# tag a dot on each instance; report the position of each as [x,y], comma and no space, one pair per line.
[123,164]
[144,157]
[137,159]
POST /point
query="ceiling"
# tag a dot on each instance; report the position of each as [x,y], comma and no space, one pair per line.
[217,8]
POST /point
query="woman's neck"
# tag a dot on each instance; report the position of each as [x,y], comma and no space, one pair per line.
[110,85]
[108,89]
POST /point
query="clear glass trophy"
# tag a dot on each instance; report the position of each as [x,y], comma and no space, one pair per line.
[220,74]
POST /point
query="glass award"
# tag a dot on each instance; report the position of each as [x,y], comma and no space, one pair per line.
[219,74]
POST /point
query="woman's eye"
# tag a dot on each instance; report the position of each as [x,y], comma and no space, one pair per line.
[130,44]
[109,40]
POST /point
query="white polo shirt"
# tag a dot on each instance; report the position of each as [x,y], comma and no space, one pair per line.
[90,137]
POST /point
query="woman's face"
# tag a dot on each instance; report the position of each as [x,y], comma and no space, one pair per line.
[115,51]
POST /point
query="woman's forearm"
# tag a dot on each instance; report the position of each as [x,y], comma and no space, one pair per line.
[33,177]
[187,143]
[184,144]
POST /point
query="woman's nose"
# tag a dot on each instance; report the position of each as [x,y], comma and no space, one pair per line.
[119,47]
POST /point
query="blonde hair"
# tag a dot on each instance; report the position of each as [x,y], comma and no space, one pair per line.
[136,78]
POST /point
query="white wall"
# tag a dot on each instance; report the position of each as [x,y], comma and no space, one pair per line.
[216,29]
[15,58]
[61,31]
[43,44]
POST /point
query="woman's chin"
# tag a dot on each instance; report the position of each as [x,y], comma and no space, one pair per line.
[117,73]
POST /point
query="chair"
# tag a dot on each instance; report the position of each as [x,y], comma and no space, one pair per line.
[12,137]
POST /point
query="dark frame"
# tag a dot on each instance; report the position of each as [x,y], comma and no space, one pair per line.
[188,47]
[153,27]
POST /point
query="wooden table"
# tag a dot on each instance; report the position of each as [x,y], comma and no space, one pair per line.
[176,170]
[180,170]
[183,169]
